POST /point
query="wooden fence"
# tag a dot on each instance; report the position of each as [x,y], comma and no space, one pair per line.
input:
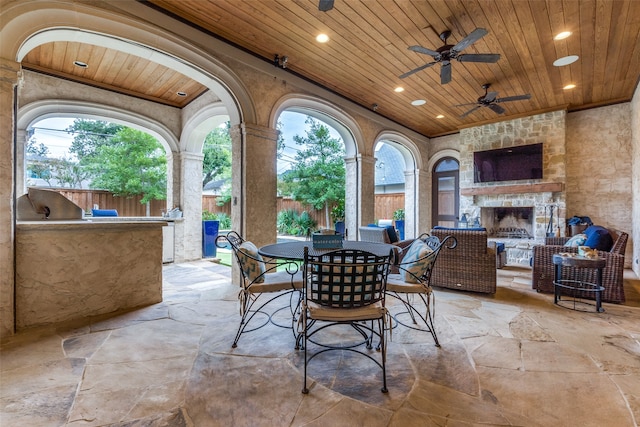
[385,204]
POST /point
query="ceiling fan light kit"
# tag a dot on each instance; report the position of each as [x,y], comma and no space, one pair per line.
[447,52]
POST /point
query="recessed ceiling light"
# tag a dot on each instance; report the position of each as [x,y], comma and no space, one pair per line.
[563,35]
[439,116]
[561,62]
[181,93]
[418,102]
[569,86]
[80,64]
[399,89]
[322,38]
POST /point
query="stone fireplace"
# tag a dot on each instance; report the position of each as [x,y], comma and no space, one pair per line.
[508,222]
[517,212]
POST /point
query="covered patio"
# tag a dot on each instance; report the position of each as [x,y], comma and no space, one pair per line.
[171,364]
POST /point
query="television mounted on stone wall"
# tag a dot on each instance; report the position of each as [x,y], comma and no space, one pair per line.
[508,164]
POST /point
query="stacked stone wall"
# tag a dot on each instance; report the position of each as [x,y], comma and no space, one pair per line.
[547,128]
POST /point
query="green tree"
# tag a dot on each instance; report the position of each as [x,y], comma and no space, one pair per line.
[89,135]
[317,178]
[217,155]
[130,163]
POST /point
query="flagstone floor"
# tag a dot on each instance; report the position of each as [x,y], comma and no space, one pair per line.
[509,359]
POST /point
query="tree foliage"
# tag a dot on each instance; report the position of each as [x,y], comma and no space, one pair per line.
[89,135]
[317,178]
[132,163]
[217,155]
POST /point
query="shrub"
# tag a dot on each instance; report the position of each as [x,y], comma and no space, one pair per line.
[286,220]
[223,218]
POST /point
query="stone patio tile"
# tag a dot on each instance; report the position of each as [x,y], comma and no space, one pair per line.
[496,352]
[558,399]
[163,339]
[629,385]
[554,357]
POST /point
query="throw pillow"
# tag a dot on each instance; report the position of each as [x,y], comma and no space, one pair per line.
[416,261]
[577,240]
[598,238]
[251,262]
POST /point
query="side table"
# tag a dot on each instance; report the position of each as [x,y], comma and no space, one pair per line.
[578,288]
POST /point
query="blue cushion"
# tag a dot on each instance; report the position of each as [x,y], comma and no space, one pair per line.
[499,247]
[104,212]
[440,227]
[598,238]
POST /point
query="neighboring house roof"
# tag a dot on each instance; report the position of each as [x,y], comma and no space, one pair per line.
[215,186]
[390,166]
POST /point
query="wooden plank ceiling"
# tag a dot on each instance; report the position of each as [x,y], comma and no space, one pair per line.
[368,50]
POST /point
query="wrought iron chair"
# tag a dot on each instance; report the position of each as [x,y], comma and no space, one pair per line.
[345,287]
[259,277]
[413,281]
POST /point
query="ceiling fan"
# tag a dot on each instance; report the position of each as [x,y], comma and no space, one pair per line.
[447,52]
[491,100]
[325,5]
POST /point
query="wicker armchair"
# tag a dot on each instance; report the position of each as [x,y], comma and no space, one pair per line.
[543,268]
[470,266]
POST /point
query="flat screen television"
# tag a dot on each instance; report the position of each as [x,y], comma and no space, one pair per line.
[508,164]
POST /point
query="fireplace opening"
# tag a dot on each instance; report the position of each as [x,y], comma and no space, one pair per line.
[509,222]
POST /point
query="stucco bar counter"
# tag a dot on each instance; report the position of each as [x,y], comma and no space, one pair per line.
[67,270]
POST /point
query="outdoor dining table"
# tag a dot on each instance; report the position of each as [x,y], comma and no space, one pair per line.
[295,250]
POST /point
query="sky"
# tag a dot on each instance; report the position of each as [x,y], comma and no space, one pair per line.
[51,133]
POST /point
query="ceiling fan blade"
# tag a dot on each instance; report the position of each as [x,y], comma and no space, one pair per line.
[514,98]
[479,57]
[325,5]
[495,107]
[470,111]
[464,105]
[424,50]
[445,73]
[415,70]
[490,97]
[475,35]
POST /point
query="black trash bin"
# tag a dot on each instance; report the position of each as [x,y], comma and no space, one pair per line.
[209,234]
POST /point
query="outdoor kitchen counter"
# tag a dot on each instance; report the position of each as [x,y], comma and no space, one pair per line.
[66,270]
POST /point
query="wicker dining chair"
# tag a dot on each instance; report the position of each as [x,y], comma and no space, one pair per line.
[345,287]
[413,281]
[258,278]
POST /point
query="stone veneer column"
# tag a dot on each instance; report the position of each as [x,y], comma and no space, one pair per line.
[254,175]
[366,185]
[188,244]
[411,206]
[9,77]
[351,198]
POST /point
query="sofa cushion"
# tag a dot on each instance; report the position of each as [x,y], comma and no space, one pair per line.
[416,261]
[598,238]
[577,240]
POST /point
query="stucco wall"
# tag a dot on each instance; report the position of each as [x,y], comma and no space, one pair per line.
[634,255]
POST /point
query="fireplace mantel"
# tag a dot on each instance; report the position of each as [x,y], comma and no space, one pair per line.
[542,187]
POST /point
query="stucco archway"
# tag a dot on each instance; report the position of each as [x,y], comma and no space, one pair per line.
[413,185]
[351,135]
